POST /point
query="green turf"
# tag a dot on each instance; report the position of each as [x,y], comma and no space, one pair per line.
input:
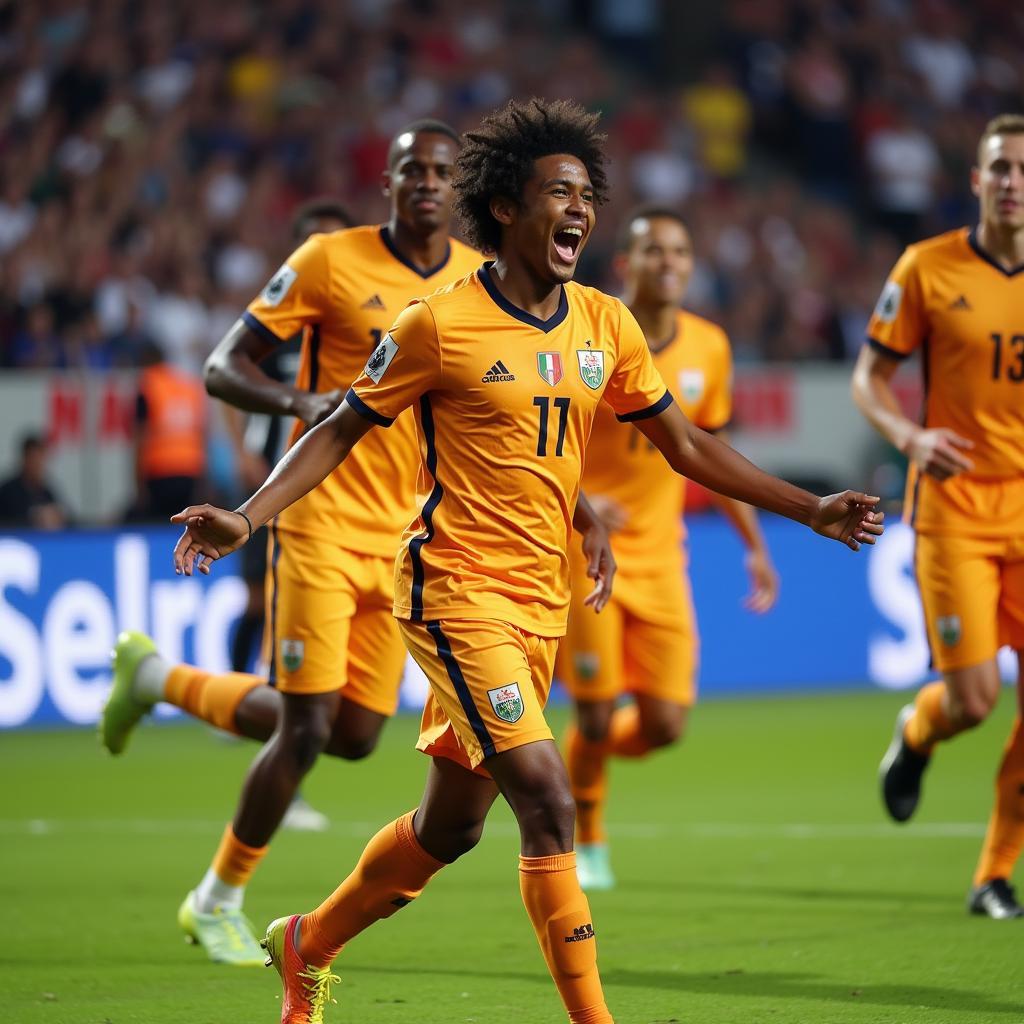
[759,881]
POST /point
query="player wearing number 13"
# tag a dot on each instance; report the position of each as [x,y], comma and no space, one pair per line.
[959,298]
[505,371]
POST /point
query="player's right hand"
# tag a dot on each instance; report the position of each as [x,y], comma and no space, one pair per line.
[210,533]
[939,452]
[313,407]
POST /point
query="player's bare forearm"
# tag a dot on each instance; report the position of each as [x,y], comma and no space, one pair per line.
[872,393]
[232,373]
[307,464]
[700,456]
[584,517]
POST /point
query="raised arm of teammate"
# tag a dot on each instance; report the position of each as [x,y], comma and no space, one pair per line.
[848,517]
[232,373]
[937,451]
[210,532]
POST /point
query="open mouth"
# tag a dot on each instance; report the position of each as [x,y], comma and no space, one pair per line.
[567,243]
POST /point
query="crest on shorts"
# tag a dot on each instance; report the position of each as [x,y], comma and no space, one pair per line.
[948,628]
[591,367]
[587,664]
[507,702]
[292,654]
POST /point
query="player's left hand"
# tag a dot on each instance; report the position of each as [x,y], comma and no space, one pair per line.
[764,582]
[600,566]
[210,533]
[849,517]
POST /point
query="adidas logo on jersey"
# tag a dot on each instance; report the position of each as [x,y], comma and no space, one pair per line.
[373,302]
[497,374]
[961,304]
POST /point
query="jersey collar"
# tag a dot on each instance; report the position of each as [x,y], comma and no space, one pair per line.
[972,241]
[389,244]
[484,273]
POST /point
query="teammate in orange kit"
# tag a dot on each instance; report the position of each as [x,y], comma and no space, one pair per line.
[336,653]
[505,371]
[646,640]
[959,298]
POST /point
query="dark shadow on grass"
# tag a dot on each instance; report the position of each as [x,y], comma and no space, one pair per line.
[747,985]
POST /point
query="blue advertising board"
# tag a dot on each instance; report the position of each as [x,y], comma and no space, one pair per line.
[843,619]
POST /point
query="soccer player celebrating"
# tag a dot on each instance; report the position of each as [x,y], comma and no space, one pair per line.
[505,371]
[336,656]
[645,641]
[959,298]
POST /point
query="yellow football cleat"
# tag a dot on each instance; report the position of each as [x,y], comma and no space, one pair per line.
[226,935]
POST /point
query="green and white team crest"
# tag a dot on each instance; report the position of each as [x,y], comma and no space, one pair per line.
[948,628]
[691,385]
[507,702]
[292,654]
[591,367]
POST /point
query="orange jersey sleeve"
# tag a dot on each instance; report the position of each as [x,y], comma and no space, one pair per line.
[635,388]
[296,296]
[405,365]
[898,324]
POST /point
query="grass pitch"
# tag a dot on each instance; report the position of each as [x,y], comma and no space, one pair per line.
[759,882]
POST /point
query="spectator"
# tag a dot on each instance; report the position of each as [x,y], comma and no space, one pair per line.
[25,498]
[171,448]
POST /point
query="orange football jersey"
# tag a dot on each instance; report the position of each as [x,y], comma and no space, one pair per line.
[696,364]
[347,287]
[947,297]
[505,404]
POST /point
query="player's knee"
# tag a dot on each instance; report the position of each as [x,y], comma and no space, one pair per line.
[593,730]
[354,748]
[305,739]
[548,819]
[663,732]
[970,710]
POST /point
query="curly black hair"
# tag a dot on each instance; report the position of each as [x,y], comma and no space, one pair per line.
[497,159]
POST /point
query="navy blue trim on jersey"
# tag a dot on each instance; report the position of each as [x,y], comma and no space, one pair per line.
[972,241]
[652,410]
[260,328]
[272,674]
[365,411]
[502,303]
[314,357]
[389,244]
[444,650]
[429,507]
[886,351]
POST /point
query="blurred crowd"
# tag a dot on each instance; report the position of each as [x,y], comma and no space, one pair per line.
[151,154]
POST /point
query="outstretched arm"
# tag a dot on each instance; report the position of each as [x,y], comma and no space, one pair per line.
[847,517]
[210,532]
[938,451]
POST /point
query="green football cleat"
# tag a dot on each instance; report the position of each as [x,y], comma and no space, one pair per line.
[226,935]
[307,989]
[123,709]
[593,867]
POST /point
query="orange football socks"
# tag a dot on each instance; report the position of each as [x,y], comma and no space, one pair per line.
[234,862]
[393,870]
[587,765]
[929,723]
[561,918]
[1005,836]
[209,696]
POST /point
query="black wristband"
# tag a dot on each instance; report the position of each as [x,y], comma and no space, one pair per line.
[248,522]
